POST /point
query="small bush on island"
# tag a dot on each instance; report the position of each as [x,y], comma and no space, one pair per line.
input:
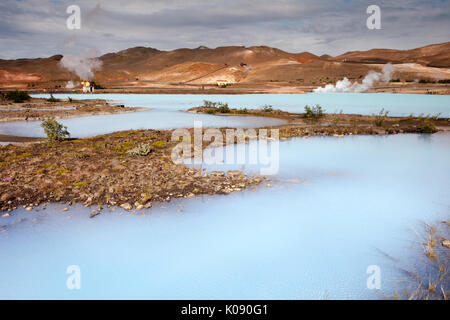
[216,107]
[223,107]
[381,117]
[52,99]
[209,104]
[242,111]
[54,130]
[427,126]
[314,113]
[17,96]
[267,108]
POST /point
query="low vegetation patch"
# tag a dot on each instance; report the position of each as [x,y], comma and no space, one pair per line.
[314,113]
[52,99]
[16,96]
[223,108]
[427,126]
[159,144]
[142,149]
[216,107]
[267,108]
[62,171]
[121,147]
[381,117]
[80,184]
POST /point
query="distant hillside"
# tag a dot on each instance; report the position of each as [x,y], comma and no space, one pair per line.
[435,55]
[232,63]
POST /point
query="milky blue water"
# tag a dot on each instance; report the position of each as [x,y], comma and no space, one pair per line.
[165,110]
[337,205]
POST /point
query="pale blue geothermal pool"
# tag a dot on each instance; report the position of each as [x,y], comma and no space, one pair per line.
[165,110]
[337,205]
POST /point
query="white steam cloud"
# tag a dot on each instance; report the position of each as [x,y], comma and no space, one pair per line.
[83,64]
[70,84]
[372,77]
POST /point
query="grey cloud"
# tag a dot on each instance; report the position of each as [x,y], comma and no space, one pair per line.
[32,28]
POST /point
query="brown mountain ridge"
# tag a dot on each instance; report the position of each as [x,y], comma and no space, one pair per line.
[234,64]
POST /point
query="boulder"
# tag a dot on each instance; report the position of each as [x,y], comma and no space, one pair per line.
[126,206]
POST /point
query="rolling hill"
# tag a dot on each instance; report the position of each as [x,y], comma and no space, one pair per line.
[236,64]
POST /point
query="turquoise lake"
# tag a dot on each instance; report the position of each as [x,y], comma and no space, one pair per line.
[166,112]
[336,207]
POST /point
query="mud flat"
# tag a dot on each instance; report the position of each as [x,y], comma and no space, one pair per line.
[37,109]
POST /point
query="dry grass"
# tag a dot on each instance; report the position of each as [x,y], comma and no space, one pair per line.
[431,279]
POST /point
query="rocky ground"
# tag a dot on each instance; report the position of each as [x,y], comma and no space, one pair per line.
[38,109]
[102,171]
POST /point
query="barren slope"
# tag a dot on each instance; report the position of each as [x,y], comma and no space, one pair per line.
[435,55]
[232,63]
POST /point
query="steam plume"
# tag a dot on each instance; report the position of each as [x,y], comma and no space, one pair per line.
[372,77]
[70,84]
[82,64]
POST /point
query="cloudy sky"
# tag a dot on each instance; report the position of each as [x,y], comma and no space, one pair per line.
[37,28]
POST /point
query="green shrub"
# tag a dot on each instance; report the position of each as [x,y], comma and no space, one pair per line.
[17,96]
[242,111]
[52,99]
[427,126]
[216,107]
[209,104]
[142,149]
[54,130]
[223,107]
[316,112]
[381,117]
[267,108]
[436,117]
